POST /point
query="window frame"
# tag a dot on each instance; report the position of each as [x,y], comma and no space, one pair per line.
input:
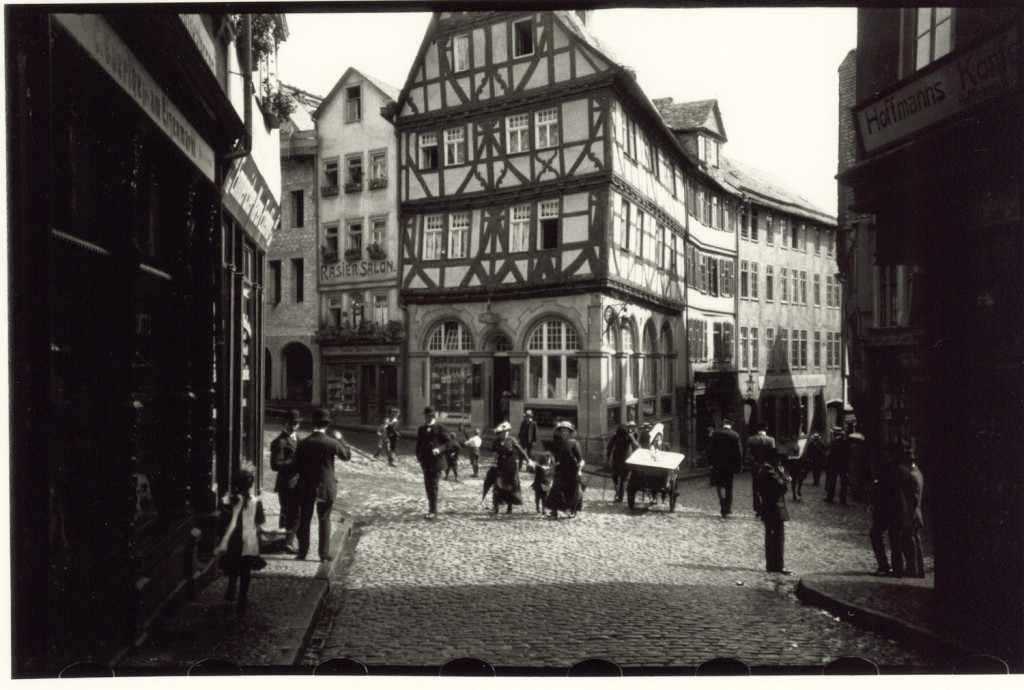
[427,141]
[375,156]
[549,129]
[454,149]
[467,62]
[350,235]
[549,211]
[518,125]
[566,337]
[358,159]
[460,232]
[519,228]
[358,101]
[517,37]
[433,237]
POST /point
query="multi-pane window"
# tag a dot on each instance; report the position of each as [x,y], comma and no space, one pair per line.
[380,308]
[428,151]
[712,273]
[354,167]
[378,231]
[519,232]
[803,349]
[298,209]
[460,48]
[725,277]
[794,358]
[334,312]
[744,348]
[783,233]
[769,283]
[784,284]
[707,208]
[665,247]
[331,175]
[331,239]
[828,350]
[433,229]
[673,253]
[629,382]
[355,236]
[517,128]
[754,215]
[753,347]
[828,292]
[794,277]
[548,235]
[552,368]
[454,146]
[769,343]
[744,224]
[753,280]
[817,349]
[803,288]
[547,128]
[450,336]
[769,229]
[723,337]
[458,235]
[744,279]
[378,166]
[650,239]
[628,135]
[353,104]
[817,290]
[933,35]
[625,221]
[522,32]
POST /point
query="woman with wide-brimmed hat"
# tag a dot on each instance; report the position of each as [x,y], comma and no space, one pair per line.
[504,476]
[566,492]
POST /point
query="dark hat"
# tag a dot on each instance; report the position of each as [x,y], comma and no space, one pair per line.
[428,411]
[837,430]
[321,417]
[293,416]
[727,420]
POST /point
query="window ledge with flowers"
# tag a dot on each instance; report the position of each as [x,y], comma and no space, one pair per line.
[329,255]
[366,333]
[375,251]
[353,254]
[353,187]
[329,190]
[378,183]
[277,104]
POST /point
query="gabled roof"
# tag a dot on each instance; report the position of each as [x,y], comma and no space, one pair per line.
[389,92]
[767,189]
[688,117]
[305,104]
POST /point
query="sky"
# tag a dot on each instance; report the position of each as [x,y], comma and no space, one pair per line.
[773,71]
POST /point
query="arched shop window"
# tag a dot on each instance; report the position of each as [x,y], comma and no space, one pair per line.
[666,363]
[631,385]
[552,365]
[613,373]
[650,361]
[451,372]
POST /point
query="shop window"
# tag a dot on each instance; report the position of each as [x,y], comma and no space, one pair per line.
[460,48]
[455,146]
[428,151]
[552,365]
[451,374]
[342,383]
[297,275]
[433,228]
[549,225]
[519,231]
[517,130]
[547,128]
[353,104]
[522,33]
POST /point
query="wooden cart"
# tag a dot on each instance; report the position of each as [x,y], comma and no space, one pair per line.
[654,472]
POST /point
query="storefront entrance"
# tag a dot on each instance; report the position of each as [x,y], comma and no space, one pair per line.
[502,378]
[379,391]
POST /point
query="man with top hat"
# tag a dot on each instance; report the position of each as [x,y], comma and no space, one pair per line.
[527,436]
[282,461]
[432,444]
[725,457]
[566,492]
[314,460]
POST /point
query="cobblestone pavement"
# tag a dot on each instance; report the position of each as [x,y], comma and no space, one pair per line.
[647,588]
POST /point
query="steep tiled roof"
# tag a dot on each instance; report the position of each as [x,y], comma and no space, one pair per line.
[572,21]
[685,116]
[386,89]
[769,190]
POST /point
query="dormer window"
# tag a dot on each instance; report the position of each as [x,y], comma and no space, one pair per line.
[523,35]
[707,150]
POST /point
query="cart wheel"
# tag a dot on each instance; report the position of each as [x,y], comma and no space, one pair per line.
[631,498]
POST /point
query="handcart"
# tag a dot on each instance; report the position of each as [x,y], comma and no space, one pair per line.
[655,472]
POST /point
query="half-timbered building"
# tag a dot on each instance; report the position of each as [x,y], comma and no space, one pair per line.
[542,212]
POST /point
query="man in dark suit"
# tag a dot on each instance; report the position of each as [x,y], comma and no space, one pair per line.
[760,447]
[620,446]
[314,460]
[771,485]
[527,436]
[432,443]
[725,456]
[282,461]
[837,467]
[888,514]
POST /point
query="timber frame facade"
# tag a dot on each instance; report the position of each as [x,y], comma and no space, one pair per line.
[543,225]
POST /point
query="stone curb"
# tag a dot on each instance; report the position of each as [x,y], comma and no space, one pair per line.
[810,592]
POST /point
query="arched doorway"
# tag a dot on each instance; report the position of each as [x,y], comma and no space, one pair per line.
[268,377]
[298,372]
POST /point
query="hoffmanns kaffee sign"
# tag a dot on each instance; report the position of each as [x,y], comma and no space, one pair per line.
[936,93]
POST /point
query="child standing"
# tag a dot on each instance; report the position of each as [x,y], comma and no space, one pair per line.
[239,549]
[473,443]
[388,435]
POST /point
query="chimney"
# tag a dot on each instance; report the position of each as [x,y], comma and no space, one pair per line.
[585,16]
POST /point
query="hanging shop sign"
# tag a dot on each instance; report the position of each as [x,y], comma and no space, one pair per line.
[102,43]
[247,195]
[936,94]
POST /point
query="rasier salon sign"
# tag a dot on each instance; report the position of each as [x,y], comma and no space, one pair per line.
[934,95]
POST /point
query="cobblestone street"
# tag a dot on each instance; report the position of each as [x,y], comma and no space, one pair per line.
[651,588]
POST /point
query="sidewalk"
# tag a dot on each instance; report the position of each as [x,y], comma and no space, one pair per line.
[285,601]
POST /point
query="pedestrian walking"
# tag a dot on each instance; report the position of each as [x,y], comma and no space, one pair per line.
[911,488]
[318,487]
[286,483]
[504,475]
[451,459]
[388,435]
[888,514]
[620,446]
[566,492]
[432,442]
[837,466]
[771,484]
[239,549]
[815,452]
[542,478]
[527,436]
[472,445]
[760,447]
[726,458]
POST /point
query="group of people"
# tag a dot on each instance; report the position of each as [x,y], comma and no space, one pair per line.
[897,509]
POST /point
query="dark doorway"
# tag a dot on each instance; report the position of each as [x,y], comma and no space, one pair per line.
[268,377]
[369,403]
[388,387]
[501,382]
[298,367]
[705,422]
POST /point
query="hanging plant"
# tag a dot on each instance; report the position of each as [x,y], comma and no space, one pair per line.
[266,34]
[278,101]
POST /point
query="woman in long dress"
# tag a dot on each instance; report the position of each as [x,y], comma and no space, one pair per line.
[566,492]
[507,456]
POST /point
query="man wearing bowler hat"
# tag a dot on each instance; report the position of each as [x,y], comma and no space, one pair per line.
[314,459]
[527,436]
[432,444]
[282,461]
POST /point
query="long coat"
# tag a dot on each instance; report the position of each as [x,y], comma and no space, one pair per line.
[427,439]
[725,455]
[567,489]
[314,460]
[771,484]
[507,488]
[282,461]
